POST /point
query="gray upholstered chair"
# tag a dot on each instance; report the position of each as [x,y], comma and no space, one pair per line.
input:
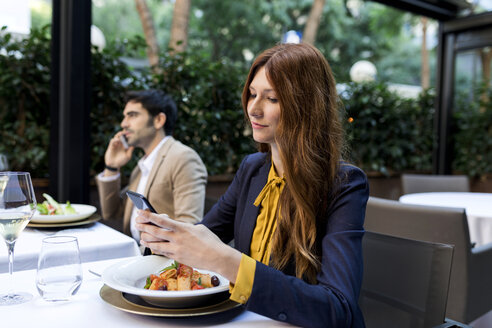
[405,282]
[412,183]
[470,287]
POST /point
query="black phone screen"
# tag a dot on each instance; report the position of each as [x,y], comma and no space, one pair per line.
[140,201]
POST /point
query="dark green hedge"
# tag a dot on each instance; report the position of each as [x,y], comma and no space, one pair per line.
[210,117]
[24,101]
[386,133]
[473,132]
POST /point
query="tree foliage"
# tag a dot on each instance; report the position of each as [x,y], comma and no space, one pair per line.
[239,30]
[386,133]
[24,100]
[233,29]
[210,115]
[473,132]
[119,20]
[207,93]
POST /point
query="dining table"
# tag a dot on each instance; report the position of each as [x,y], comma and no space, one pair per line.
[478,207]
[87,308]
[96,242]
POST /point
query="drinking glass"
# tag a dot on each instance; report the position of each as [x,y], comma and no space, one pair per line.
[17,205]
[59,274]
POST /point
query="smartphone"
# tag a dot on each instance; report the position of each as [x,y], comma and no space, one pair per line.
[124,142]
[140,201]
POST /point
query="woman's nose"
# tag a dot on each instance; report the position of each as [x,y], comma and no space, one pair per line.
[255,108]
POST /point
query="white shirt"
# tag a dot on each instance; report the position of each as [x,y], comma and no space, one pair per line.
[145,165]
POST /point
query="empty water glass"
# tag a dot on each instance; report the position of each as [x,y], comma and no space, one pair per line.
[59,274]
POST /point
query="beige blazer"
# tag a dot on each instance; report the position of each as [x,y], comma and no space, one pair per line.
[176,187]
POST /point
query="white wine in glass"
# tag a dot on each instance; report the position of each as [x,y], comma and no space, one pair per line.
[17,205]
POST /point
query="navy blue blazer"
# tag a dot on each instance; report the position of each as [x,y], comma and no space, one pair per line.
[333,301]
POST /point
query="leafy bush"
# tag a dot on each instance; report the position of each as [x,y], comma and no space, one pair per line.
[210,118]
[473,133]
[24,101]
[25,76]
[111,79]
[387,133]
[210,115]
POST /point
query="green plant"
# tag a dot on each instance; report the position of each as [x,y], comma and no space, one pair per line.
[24,100]
[210,116]
[111,79]
[473,133]
[25,76]
[387,133]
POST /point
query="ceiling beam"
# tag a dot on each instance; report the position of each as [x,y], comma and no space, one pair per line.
[439,10]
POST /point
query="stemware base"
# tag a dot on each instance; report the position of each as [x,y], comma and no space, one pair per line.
[15,298]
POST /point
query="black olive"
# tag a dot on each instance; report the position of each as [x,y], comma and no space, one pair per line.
[163,287]
[215,281]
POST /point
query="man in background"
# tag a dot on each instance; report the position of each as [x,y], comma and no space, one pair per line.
[170,175]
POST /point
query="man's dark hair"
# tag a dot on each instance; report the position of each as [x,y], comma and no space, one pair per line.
[155,102]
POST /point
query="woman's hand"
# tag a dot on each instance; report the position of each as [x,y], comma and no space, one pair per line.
[193,245]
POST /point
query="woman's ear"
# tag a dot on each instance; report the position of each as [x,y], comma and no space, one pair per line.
[159,121]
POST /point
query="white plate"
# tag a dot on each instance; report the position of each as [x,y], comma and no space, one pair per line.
[129,277]
[83,211]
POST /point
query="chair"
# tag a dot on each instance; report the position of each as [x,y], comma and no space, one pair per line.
[405,282]
[413,183]
[470,287]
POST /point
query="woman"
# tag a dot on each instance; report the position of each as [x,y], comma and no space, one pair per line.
[294,209]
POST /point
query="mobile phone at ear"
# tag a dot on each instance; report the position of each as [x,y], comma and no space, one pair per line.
[124,141]
[140,201]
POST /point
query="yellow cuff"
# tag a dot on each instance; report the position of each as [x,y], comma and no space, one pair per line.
[241,290]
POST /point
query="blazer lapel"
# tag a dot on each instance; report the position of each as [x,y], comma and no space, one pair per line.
[250,210]
[157,164]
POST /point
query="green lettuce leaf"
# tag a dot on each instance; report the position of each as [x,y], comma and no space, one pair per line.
[69,209]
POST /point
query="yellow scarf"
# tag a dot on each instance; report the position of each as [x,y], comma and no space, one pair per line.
[266,222]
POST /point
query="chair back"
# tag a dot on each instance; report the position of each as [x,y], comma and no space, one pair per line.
[405,282]
[413,183]
[433,224]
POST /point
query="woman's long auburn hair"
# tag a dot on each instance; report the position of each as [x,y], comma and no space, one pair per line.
[310,139]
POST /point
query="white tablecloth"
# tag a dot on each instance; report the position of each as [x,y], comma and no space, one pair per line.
[478,208]
[87,309]
[96,242]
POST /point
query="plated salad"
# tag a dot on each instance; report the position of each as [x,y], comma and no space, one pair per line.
[178,276]
[52,207]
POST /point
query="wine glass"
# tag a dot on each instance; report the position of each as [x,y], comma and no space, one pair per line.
[17,205]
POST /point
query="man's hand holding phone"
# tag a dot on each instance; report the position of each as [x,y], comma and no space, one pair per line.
[124,142]
[118,153]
